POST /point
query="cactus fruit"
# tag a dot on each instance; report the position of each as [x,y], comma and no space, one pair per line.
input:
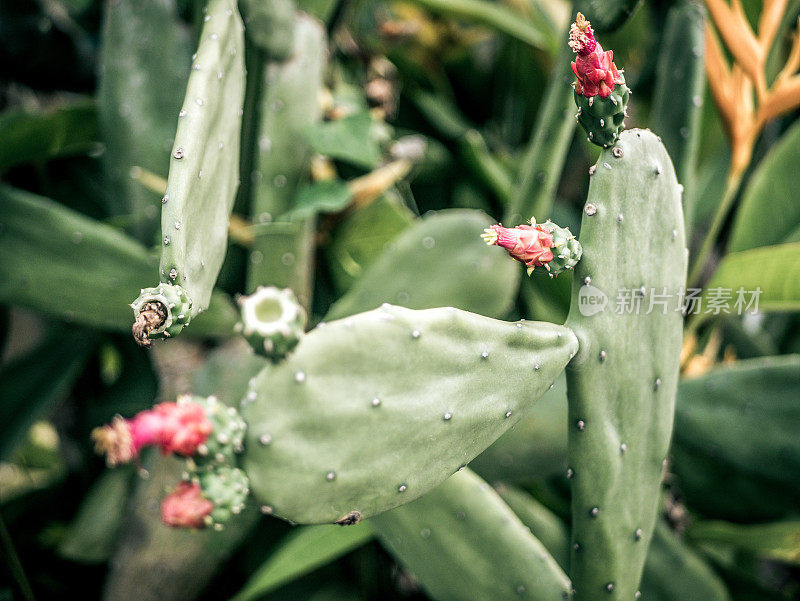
[600,92]
[621,385]
[160,312]
[204,168]
[537,245]
[338,431]
[273,322]
[226,488]
[226,438]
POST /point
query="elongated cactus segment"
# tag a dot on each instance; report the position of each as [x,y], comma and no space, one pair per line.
[338,431]
[272,321]
[622,383]
[204,168]
[463,542]
[678,95]
[270,26]
[282,255]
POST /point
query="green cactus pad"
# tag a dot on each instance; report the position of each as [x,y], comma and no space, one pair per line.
[272,321]
[463,542]
[175,304]
[603,118]
[372,411]
[622,384]
[204,166]
[227,436]
[227,488]
[270,26]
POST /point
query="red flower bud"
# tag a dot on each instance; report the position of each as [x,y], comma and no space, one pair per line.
[185,507]
[529,244]
[173,427]
[595,69]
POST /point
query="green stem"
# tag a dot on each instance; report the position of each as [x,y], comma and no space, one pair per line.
[547,150]
[700,261]
[14,563]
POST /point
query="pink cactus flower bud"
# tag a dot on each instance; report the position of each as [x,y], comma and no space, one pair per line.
[595,69]
[185,507]
[179,428]
[529,244]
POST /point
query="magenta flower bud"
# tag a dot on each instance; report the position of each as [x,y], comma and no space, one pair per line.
[595,69]
[528,244]
[185,507]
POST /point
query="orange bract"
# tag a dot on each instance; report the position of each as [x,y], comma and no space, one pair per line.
[744,113]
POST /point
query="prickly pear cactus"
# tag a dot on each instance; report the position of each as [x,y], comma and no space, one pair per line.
[600,91]
[273,321]
[204,167]
[622,383]
[435,538]
[339,431]
[269,25]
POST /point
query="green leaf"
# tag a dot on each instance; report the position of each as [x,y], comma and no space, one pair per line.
[531,29]
[463,542]
[736,450]
[320,197]
[363,235]
[38,136]
[92,534]
[59,262]
[34,383]
[775,270]
[452,266]
[301,552]
[779,541]
[769,212]
[374,410]
[348,139]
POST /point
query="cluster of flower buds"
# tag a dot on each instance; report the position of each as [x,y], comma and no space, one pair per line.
[204,431]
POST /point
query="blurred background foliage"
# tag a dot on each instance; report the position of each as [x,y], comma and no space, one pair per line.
[429,105]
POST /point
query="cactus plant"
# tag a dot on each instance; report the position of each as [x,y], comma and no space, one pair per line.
[372,148]
[622,383]
[194,217]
